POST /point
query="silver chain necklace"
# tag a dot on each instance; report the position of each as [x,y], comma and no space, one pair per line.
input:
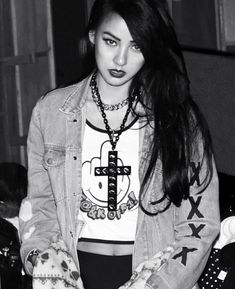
[110,107]
[113,134]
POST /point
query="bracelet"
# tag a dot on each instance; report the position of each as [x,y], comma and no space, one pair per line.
[32,253]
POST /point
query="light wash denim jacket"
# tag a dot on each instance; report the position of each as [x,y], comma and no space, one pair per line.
[50,211]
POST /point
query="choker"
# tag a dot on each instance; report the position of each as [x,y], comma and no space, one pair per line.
[110,107]
[96,97]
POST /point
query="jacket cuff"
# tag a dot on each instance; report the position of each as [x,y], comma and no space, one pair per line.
[26,249]
[156,282]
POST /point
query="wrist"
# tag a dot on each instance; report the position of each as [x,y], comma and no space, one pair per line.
[33,256]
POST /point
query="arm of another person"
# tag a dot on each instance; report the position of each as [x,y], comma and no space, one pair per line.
[38,220]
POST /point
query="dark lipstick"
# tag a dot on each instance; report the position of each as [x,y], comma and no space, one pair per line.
[117,73]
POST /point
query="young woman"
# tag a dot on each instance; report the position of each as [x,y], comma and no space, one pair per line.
[120,164]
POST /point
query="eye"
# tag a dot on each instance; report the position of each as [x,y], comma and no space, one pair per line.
[100,185]
[135,47]
[110,42]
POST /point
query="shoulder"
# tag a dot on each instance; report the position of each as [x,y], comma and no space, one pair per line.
[54,107]
[71,96]
[60,94]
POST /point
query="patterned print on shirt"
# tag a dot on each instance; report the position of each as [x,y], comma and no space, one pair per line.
[95,187]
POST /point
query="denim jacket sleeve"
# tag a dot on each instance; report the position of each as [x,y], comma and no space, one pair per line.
[38,222]
[196,226]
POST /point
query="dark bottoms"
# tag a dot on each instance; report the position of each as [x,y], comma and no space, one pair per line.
[104,272]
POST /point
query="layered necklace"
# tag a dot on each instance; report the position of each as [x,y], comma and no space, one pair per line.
[112,171]
[113,134]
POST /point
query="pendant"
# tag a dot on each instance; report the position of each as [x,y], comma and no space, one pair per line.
[114,136]
[112,171]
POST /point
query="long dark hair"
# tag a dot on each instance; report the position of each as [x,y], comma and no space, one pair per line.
[178,125]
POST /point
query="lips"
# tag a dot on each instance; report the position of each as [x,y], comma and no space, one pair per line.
[117,73]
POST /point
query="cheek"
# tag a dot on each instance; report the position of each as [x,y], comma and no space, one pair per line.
[138,64]
[101,51]
[141,60]
[141,63]
[100,57]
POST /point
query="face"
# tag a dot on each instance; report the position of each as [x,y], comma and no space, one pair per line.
[118,57]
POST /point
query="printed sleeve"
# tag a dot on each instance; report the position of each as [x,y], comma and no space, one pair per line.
[196,226]
[38,222]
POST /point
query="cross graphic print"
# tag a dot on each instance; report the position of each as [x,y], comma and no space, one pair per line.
[112,171]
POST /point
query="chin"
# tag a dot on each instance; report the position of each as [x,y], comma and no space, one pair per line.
[117,81]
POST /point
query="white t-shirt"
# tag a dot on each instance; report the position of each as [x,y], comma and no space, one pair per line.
[100,223]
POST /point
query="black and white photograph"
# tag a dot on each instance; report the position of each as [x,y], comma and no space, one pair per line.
[117,144]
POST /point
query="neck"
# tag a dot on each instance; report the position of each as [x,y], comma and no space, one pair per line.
[114,137]
[111,94]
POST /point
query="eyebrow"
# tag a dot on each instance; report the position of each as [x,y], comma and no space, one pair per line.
[115,37]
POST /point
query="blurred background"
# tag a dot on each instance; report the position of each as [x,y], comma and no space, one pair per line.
[39,51]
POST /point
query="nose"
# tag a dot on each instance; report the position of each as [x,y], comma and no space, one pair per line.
[121,56]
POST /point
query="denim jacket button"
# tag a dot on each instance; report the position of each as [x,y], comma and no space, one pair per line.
[49,161]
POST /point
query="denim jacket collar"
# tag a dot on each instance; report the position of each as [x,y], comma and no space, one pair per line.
[77,98]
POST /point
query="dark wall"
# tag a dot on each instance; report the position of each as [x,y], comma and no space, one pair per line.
[213,87]
[69,20]
[195,23]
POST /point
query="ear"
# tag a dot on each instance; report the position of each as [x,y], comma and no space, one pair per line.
[92,36]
